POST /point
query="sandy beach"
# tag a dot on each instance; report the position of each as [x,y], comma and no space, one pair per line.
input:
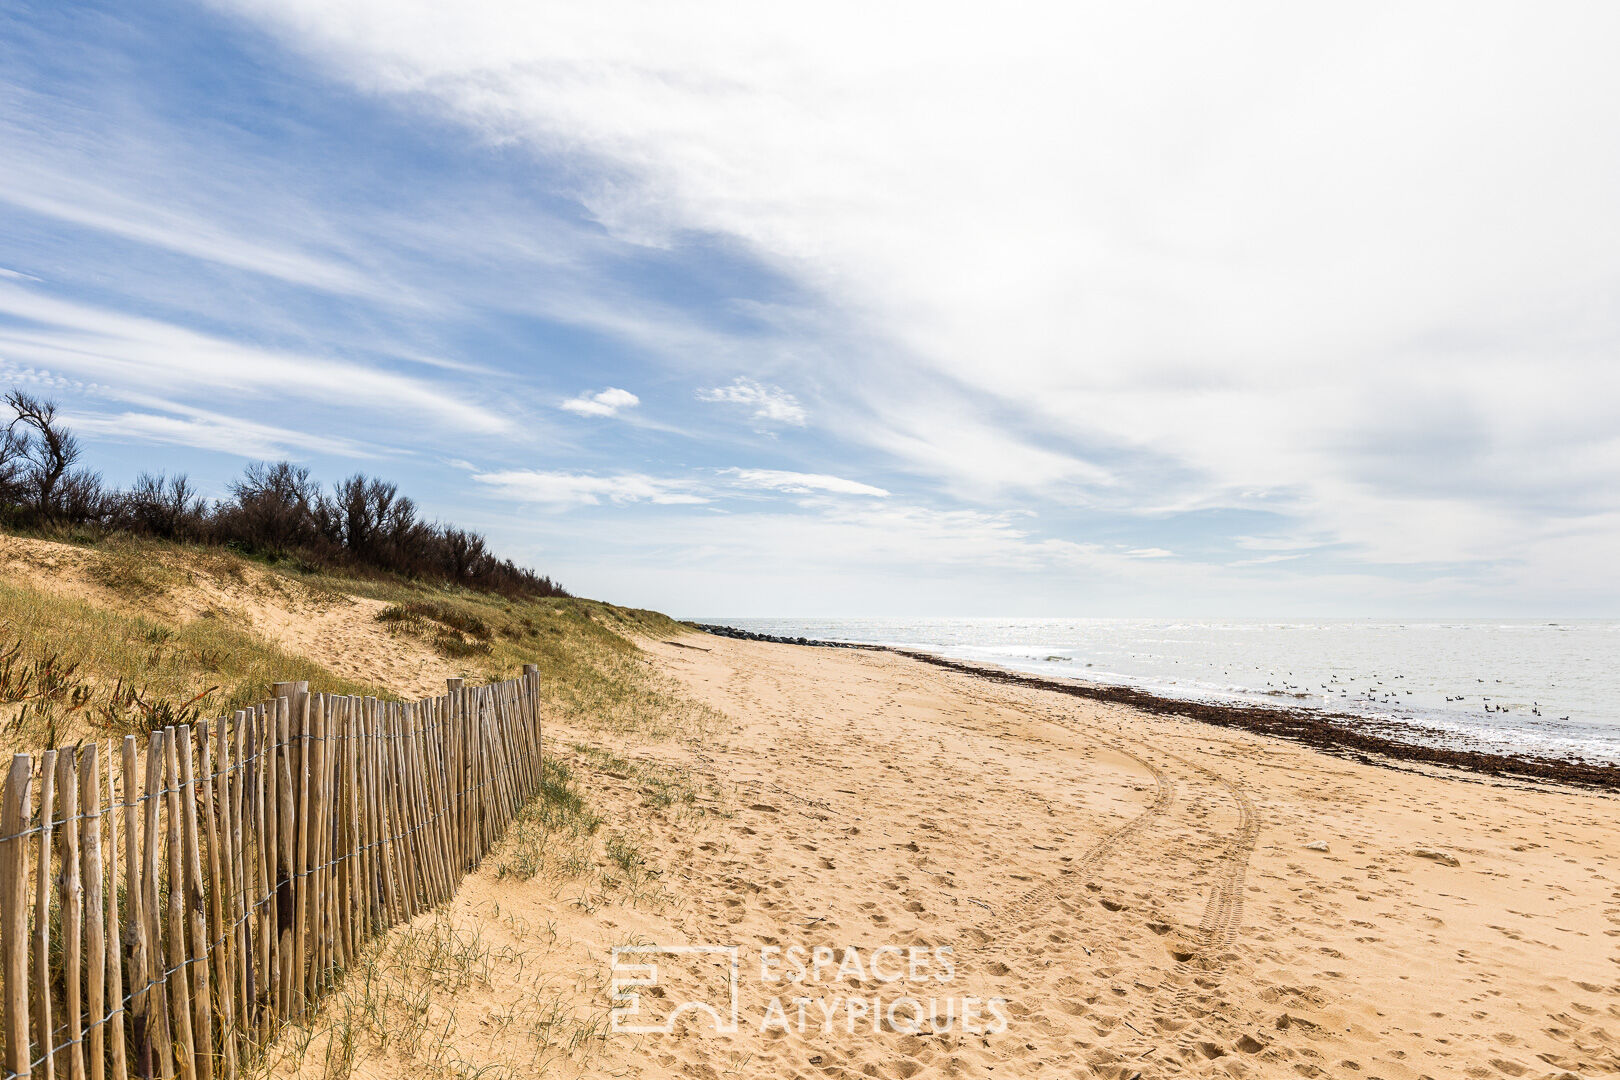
[548,541]
[1147,896]
[1037,884]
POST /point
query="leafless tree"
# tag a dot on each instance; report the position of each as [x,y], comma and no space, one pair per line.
[164,507]
[47,451]
[11,467]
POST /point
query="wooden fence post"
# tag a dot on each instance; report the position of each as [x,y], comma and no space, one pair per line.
[263,926]
[70,901]
[191,887]
[14,815]
[42,915]
[95,916]
[115,947]
[285,841]
[154,978]
[300,865]
[238,818]
[179,972]
[219,940]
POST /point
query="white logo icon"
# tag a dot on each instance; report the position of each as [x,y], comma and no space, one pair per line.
[637,966]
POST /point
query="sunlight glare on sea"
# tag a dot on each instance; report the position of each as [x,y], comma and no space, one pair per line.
[1536,687]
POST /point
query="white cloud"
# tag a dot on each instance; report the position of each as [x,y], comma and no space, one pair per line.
[602,403]
[868,537]
[1236,241]
[211,431]
[798,483]
[1272,543]
[943,439]
[563,489]
[1149,553]
[1266,560]
[767,404]
[133,353]
[52,193]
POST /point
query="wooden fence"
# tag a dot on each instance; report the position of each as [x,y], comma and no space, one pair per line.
[163,909]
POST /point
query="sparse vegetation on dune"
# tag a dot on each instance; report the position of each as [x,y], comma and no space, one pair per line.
[401,999]
[73,668]
[592,669]
[133,633]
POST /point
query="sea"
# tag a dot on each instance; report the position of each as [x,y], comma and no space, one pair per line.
[1539,687]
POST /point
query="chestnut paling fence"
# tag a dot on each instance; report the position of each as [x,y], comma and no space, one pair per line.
[165,907]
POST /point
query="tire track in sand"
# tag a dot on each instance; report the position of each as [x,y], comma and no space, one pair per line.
[1195,974]
[1022,911]
[1223,912]
[1182,1018]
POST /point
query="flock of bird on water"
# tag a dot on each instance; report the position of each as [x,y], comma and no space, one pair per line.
[1389,696]
[1375,694]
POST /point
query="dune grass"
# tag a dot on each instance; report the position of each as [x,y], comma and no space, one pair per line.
[593,673]
[78,669]
[125,660]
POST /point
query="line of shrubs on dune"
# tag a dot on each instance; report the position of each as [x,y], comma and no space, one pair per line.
[275,511]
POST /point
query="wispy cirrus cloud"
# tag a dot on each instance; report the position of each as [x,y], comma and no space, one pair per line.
[564,489]
[1266,560]
[218,432]
[800,483]
[93,343]
[78,202]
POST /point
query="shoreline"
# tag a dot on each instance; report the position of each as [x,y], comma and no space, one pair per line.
[1338,734]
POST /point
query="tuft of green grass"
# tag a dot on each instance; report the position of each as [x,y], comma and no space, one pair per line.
[561,806]
[624,855]
[554,831]
[418,612]
[455,633]
[131,571]
[456,647]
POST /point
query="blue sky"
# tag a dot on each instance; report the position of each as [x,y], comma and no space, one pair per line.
[1059,310]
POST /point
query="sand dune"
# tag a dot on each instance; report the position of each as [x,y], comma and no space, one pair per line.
[338,630]
[1149,897]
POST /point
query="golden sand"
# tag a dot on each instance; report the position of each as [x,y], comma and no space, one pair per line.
[1149,897]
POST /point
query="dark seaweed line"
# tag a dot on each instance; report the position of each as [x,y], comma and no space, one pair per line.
[1333,733]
